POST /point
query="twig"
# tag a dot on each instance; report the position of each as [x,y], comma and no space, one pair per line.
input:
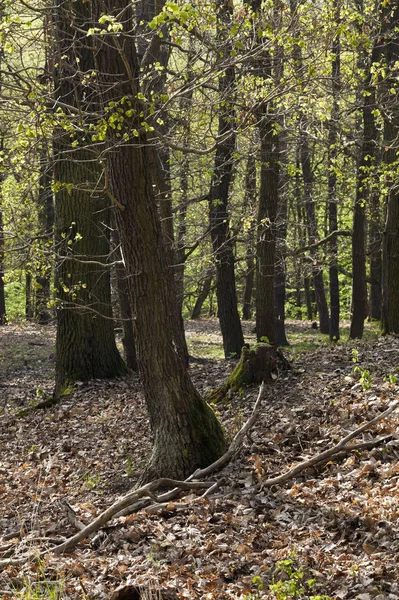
[117,506]
[215,466]
[338,448]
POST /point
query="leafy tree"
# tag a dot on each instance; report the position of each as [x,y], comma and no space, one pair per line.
[186,431]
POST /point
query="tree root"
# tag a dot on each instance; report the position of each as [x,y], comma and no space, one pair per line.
[146,494]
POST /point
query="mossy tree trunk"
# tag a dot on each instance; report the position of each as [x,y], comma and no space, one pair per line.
[186,432]
[256,364]
[85,344]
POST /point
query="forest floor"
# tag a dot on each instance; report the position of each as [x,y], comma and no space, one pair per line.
[330,532]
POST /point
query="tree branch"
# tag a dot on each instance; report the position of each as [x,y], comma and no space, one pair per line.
[330,236]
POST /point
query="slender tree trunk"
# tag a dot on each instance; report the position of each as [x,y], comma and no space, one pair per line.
[282,210]
[366,166]
[307,175]
[129,345]
[230,324]
[29,296]
[203,295]
[85,344]
[248,208]
[186,432]
[375,253]
[308,298]
[317,273]
[389,103]
[332,181]
[266,244]
[3,318]
[46,219]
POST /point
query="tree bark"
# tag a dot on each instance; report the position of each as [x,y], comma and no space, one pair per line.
[248,208]
[203,295]
[230,324]
[366,166]
[307,175]
[266,243]
[159,154]
[332,180]
[85,343]
[389,103]
[3,317]
[186,432]
[46,220]
[129,345]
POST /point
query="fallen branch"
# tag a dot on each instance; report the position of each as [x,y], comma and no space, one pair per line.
[323,456]
[116,507]
[143,496]
[216,466]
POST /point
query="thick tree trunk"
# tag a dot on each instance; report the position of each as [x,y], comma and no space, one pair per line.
[85,344]
[230,324]
[160,154]
[186,432]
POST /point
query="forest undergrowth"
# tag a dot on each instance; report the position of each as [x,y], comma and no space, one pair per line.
[332,532]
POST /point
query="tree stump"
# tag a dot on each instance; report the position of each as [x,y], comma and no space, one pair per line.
[256,364]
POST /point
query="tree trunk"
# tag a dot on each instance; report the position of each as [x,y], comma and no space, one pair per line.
[282,211]
[307,175]
[29,301]
[3,318]
[160,154]
[266,244]
[317,273]
[46,222]
[332,180]
[308,298]
[256,365]
[230,324]
[390,264]
[203,295]
[248,208]
[186,432]
[129,345]
[366,166]
[85,344]
[375,253]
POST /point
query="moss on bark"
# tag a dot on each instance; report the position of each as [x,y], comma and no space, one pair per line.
[256,364]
